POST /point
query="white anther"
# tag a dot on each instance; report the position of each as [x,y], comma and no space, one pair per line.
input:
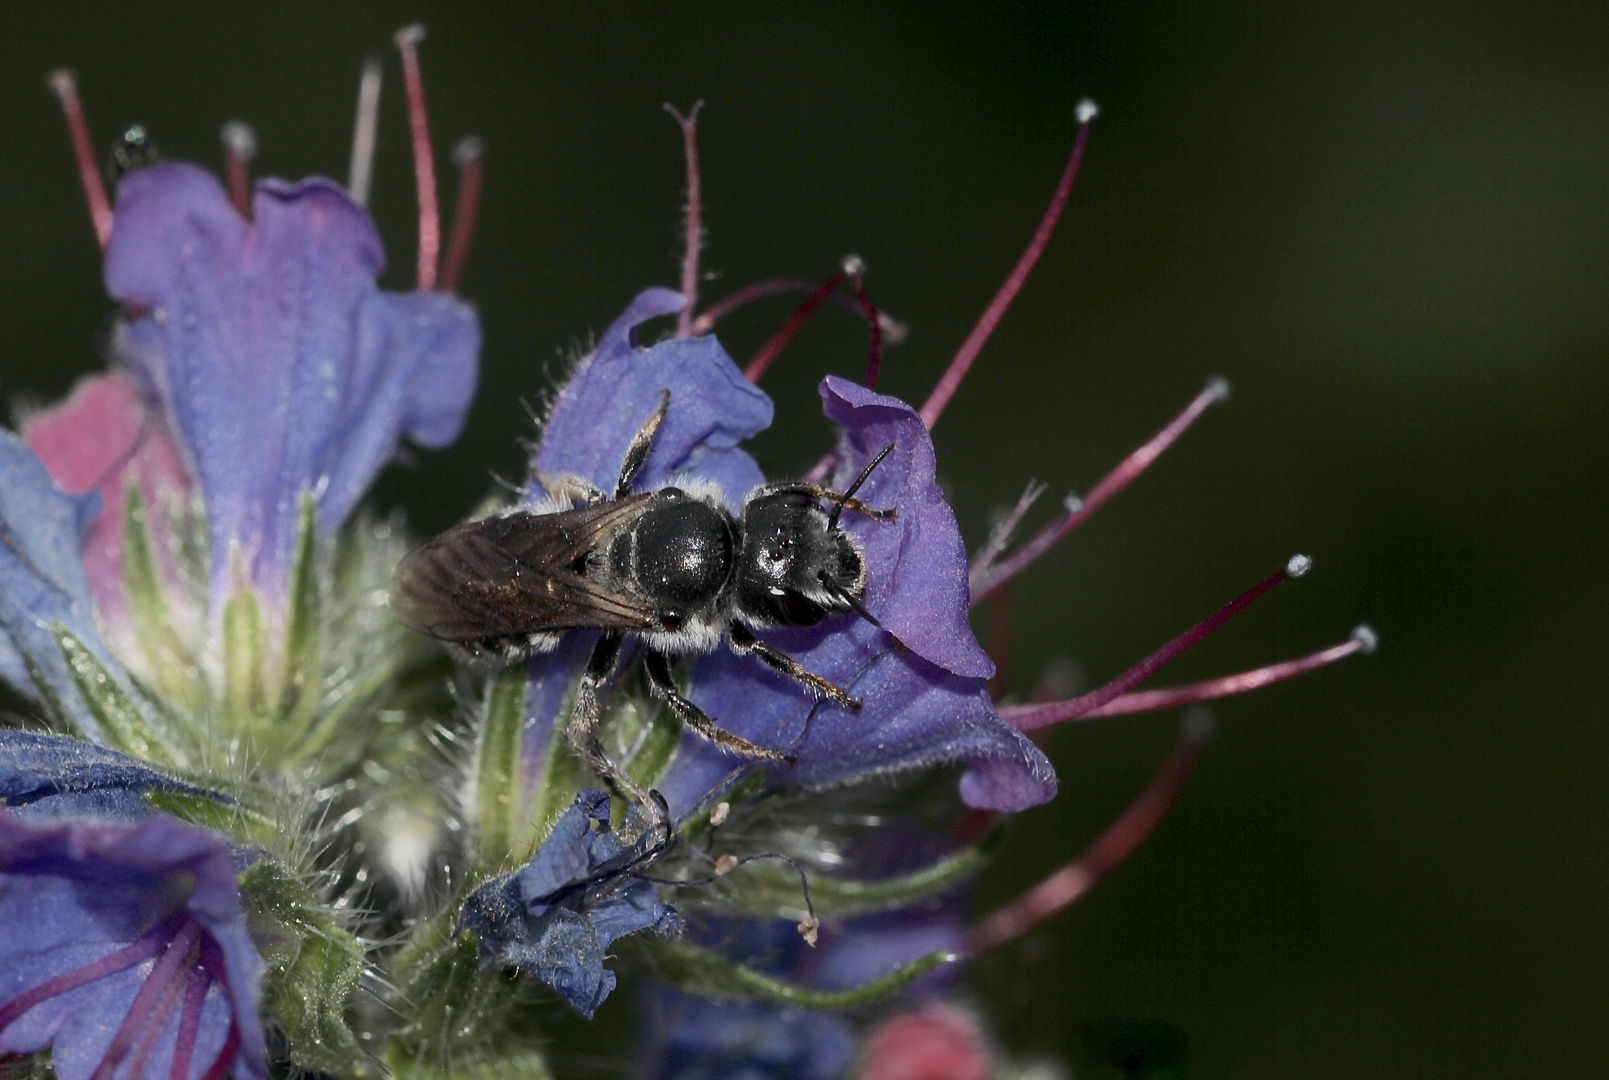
[1366,638]
[240,139]
[1299,565]
[1072,503]
[853,265]
[62,81]
[412,34]
[468,149]
[1218,388]
[1086,110]
[1198,725]
[718,815]
[808,928]
[725,865]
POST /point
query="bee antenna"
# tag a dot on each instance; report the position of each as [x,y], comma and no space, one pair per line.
[838,503]
[843,595]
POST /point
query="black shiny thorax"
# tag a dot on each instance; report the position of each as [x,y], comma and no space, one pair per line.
[680,553]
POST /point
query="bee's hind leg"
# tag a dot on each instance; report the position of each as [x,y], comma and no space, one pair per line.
[585,714]
[659,676]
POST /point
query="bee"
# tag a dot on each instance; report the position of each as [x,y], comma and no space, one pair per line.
[673,568]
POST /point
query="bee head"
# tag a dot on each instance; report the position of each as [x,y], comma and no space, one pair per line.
[796,568]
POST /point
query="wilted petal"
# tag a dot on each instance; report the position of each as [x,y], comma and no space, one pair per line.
[276,361]
[554,918]
[926,703]
[125,942]
[101,439]
[54,776]
[42,577]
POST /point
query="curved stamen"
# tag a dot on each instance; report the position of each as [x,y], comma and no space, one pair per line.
[424,165]
[467,156]
[695,223]
[951,379]
[226,1053]
[1085,704]
[239,147]
[984,579]
[137,952]
[892,329]
[364,130]
[65,86]
[152,991]
[1033,717]
[855,267]
[195,996]
[1117,843]
[778,341]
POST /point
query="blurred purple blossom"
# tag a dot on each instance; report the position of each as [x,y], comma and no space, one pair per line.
[123,947]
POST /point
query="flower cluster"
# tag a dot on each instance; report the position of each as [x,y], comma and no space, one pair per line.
[241,792]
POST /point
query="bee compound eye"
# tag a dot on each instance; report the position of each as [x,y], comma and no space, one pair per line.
[671,619]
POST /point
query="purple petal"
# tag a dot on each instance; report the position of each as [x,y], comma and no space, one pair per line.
[42,579]
[276,361]
[712,407]
[75,894]
[54,776]
[691,1038]
[925,704]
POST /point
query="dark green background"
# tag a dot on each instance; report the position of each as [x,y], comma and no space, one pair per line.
[1384,223]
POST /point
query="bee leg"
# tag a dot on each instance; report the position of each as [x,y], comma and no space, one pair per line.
[816,491]
[658,668]
[744,641]
[564,486]
[640,445]
[585,713]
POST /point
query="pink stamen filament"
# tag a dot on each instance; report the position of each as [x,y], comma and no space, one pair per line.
[151,992]
[1034,717]
[892,329]
[1084,704]
[240,145]
[778,341]
[950,381]
[65,85]
[984,580]
[695,223]
[874,349]
[424,165]
[152,943]
[195,996]
[467,154]
[152,1026]
[1110,849]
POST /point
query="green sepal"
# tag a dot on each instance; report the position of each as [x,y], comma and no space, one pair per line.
[498,798]
[699,971]
[304,658]
[526,1064]
[452,1002]
[172,666]
[124,724]
[244,644]
[314,965]
[655,748]
[764,888]
[562,775]
[243,823]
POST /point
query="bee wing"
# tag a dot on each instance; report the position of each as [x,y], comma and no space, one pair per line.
[515,575]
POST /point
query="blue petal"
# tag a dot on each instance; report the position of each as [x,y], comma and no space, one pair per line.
[54,776]
[42,578]
[544,919]
[73,893]
[712,408]
[274,358]
[692,1038]
[925,699]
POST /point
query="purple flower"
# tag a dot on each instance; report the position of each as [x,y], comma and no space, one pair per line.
[554,917]
[123,951]
[42,580]
[272,356]
[693,1038]
[925,698]
[52,776]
